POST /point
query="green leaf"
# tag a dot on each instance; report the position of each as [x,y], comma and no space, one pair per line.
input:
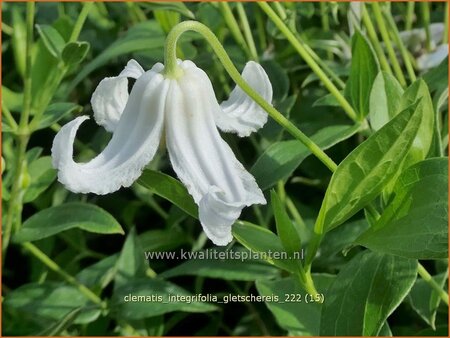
[425,300]
[282,158]
[415,223]
[178,7]
[287,232]
[51,301]
[146,36]
[208,263]
[52,39]
[169,188]
[57,111]
[51,221]
[131,263]
[133,310]
[291,311]
[363,70]
[75,52]
[19,41]
[365,292]
[42,175]
[384,99]
[424,138]
[259,239]
[163,240]
[100,274]
[361,176]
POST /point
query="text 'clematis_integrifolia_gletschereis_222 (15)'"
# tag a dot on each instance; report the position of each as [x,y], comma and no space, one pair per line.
[185,111]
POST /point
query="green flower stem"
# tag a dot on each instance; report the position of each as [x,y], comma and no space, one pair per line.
[247,31]
[36,252]
[410,7]
[15,200]
[429,279]
[387,41]
[425,14]
[23,124]
[87,6]
[445,37]
[172,70]
[325,22]
[400,45]
[374,40]
[309,60]
[260,27]
[22,136]
[232,24]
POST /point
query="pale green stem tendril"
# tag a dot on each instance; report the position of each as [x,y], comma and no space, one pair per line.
[401,46]
[429,279]
[410,6]
[374,40]
[172,70]
[233,26]
[309,60]
[36,252]
[387,41]
[325,22]
[247,31]
[425,13]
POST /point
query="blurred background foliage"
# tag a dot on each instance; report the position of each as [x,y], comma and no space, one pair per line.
[40,300]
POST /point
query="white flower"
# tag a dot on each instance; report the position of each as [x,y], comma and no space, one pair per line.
[187,110]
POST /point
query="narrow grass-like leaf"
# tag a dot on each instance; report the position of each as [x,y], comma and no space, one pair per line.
[415,223]
[365,292]
[169,188]
[287,232]
[363,70]
[51,221]
[57,111]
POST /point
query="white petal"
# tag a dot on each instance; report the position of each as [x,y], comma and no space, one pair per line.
[133,69]
[240,114]
[132,146]
[433,59]
[109,100]
[202,160]
[111,95]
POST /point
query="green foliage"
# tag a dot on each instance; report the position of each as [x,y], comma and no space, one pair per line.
[415,223]
[106,265]
[378,284]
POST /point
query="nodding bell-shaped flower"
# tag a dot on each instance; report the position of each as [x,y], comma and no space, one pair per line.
[186,112]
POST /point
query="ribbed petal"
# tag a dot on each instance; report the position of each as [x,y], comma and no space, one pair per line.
[202,160]
[111,95]
[132,146]
[240,114]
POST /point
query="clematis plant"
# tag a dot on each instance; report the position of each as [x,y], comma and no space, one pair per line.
[175,101]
